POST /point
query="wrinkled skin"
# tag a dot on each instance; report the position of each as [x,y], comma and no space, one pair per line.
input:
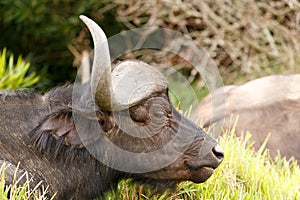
[39,133]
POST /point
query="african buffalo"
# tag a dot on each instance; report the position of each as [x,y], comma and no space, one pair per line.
[82,139]
[262,106]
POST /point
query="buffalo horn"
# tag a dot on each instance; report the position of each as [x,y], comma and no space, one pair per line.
[128,84]
[101,74]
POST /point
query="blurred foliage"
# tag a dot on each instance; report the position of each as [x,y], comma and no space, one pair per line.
[243,37]
[44,29]
[15,75]
[184,95]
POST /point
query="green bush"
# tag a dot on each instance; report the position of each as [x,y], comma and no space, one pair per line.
[43,31]
[15,75]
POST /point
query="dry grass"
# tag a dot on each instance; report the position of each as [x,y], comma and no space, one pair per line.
[246,39]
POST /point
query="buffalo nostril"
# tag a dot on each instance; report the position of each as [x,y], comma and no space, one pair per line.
[218,152]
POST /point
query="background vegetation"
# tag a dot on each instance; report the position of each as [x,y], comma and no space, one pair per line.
[14,75]
[246,39]
[49,34]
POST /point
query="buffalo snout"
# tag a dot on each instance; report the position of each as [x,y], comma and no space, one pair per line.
[202,167]
[202,154]
[212,159]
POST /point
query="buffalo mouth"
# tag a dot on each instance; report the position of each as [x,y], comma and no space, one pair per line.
[184,172]
[161,180]
[200,174]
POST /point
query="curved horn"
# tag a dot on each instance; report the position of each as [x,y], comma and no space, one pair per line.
[101,86]
[127,85]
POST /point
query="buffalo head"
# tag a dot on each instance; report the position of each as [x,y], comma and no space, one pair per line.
[143,134]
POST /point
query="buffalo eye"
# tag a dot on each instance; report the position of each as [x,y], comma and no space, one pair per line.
[158,112]
[159,115]
[139,114]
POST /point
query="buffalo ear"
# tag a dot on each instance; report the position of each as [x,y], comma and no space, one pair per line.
[61,126]
[58,137]
[56,134]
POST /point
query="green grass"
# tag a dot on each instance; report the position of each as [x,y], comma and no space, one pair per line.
[14,75]
[244,174]
[17,191]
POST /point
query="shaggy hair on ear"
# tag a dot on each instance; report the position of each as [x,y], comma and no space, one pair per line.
[56,136]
